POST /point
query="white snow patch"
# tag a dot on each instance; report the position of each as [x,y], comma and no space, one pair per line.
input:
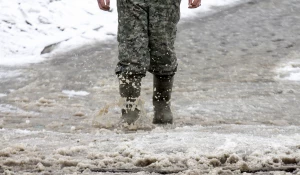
[5,108]
[17,60]
[228,145]
[25,132]
[9,74]
[3,95]
[27,121]
[205,6]
[289,71]
[8,108]
[72,93]
[26,27]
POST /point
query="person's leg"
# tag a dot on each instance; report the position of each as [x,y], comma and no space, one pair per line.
[162,89]
[163,19]
[133,37]
[133,54]
[130,89]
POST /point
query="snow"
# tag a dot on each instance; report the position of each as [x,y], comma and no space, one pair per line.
[205,6]
[27,27]
[25,132]
[185,148]
[289,71]
[72,93]
[3,95]
[46,133]
[9,74]
[5,108]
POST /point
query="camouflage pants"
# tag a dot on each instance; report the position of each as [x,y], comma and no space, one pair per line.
[146,36]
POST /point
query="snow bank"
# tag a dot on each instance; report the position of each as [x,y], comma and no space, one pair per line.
[233,147]
[27,27]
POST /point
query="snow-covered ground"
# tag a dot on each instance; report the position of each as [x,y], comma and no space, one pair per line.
[27,27]
[224,149]
[232,113]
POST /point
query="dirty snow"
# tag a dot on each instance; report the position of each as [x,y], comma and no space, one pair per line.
[27,27]
[203,150]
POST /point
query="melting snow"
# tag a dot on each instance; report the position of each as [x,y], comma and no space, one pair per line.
[9,74]
[72,93]
[5,108]
[289,71]
[27,27]
[2,95]
[239,147]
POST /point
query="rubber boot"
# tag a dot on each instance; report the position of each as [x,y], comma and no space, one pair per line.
[130,90]
[162,89]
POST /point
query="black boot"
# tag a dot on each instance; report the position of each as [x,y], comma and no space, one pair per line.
[162,89]
[130,89]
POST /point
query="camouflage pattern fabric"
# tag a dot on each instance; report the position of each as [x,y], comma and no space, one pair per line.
[146,36]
